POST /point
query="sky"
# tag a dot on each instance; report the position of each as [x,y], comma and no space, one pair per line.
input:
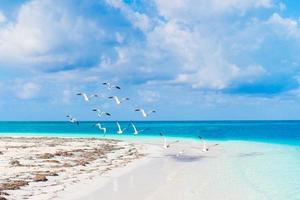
[187,59]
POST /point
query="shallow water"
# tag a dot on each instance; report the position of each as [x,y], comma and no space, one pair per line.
[270,169]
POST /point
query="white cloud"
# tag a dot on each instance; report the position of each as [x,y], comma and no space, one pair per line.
[2,17]
[281,6]
[188,48]
[41,30]
[285,26]
[195,9]
[119,38]
[139,20]
[27,90]
[149,96]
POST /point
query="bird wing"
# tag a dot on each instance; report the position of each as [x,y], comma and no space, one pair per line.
[117,99]
[119,127]
[134,128]
[174,142]
[143,112]
[151,111]
[165,141]
[85,96]
[93,95]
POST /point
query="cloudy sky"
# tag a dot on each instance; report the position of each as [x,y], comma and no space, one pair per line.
[189,59]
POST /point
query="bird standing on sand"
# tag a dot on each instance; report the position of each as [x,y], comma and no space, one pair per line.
[120,131]
[86,97]
[100,112]
[118,101]
[72,119]
[180,153]
[109,86]
[144,113]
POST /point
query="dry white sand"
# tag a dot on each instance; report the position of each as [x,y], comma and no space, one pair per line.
[42,168]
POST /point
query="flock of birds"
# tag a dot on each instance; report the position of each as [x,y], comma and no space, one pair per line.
[120,130]
[100,112]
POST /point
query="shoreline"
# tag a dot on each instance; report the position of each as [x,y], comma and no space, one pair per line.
[143,137]
[160,174]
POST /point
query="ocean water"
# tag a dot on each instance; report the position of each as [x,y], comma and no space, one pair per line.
[271,165]
[287,132]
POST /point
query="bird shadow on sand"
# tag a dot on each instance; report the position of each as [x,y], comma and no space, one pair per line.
[251,154]
[185,158]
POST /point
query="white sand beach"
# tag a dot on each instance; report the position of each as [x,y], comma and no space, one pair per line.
[227,171]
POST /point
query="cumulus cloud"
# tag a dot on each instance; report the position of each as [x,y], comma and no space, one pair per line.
[186,50]
[27,90]
[174,44]
[285,26]
[46,34]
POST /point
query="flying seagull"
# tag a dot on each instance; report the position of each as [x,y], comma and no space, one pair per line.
[118,101]
[100,112]
[72,119]
[136,131]
[144,113]
[99,126]
[204,147]
[109,86]
[120,131]
[86,97]
[166,145]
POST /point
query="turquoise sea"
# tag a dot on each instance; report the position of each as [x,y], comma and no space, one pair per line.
[272,169]
[286,132]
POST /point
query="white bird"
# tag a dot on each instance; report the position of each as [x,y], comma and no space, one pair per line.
[109,86]
[100,112]
[120,131]
[136,132]
[119,101]
[144,113]
[99,126]
[180,153]
[86,97]
[166,145]
[204,148]
[72,119]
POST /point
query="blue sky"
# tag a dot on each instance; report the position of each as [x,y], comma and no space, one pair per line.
[188,59]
